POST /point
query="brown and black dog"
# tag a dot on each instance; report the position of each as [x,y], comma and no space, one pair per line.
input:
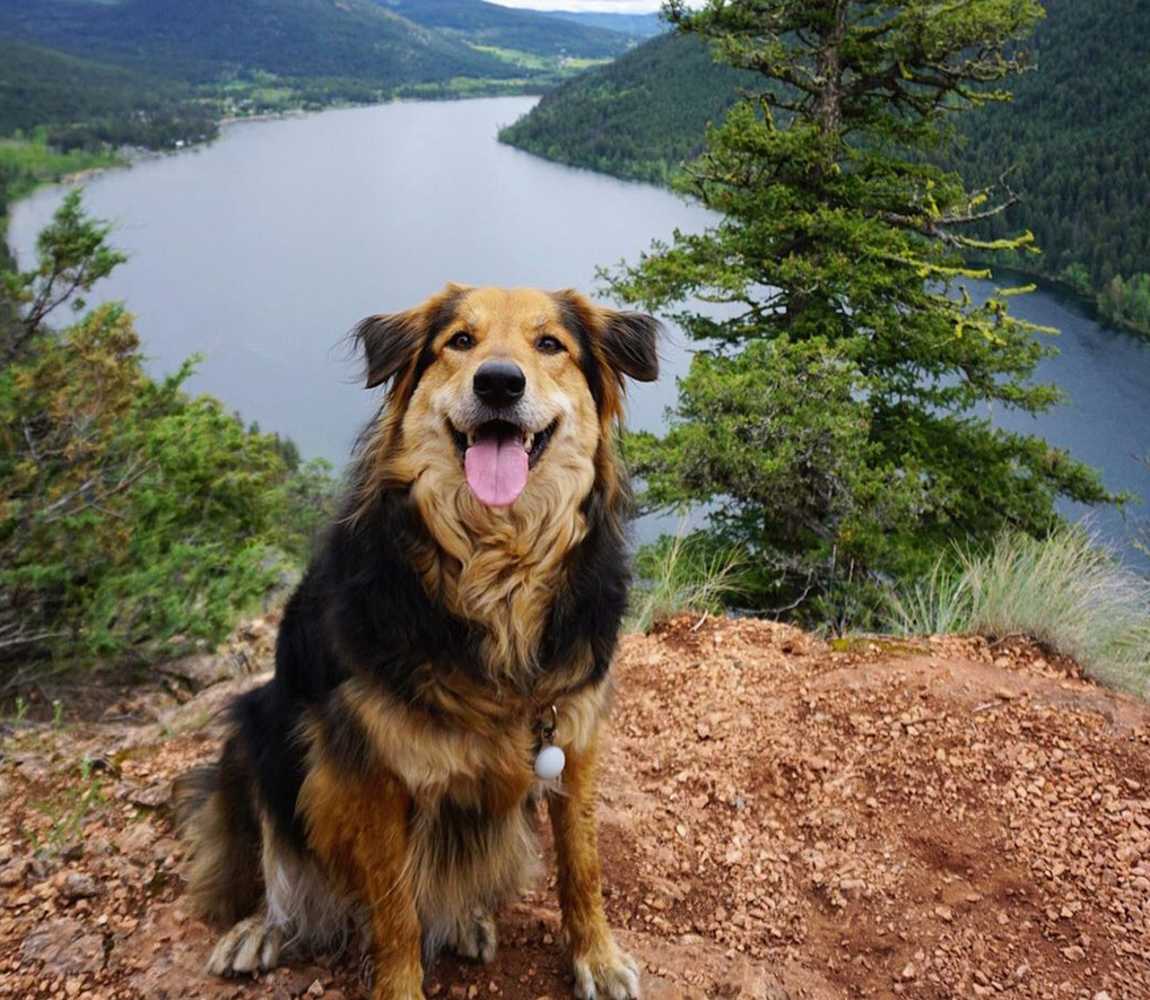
[460,615]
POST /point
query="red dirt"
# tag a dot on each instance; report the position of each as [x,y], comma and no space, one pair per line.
[932,819]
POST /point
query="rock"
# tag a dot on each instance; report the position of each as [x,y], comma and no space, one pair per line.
[14,872]
[64,948]
[136,839]
[200,670]
[77,886]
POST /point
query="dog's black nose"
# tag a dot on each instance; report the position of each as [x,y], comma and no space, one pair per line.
[499,383]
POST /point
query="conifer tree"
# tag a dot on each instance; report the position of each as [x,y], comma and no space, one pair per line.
[837,418]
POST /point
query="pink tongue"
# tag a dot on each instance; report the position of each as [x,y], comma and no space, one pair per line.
[496,467]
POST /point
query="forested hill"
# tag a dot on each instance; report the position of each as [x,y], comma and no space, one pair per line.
[488,24]
[639,117]
[203,40]
[1078,134]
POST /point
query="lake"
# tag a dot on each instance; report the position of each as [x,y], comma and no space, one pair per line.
[262,250]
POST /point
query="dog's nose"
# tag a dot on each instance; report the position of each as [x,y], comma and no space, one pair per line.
[499,383]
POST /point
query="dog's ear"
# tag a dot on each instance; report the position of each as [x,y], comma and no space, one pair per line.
[630,342]
[389,342]
[392,341]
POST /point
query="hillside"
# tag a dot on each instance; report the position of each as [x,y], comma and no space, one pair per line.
[212,39]
[39,86]
[778,819]
[1078,132]
[488,24]
[638,117]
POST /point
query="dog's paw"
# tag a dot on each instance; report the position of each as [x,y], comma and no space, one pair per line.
[608,973]
[474,937]
[250,946]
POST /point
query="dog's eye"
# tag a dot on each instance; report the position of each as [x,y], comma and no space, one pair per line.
[461,342]
[548,345]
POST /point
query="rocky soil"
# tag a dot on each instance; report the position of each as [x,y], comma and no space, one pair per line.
[780,818]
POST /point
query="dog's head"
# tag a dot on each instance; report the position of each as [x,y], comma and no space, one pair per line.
[508,392]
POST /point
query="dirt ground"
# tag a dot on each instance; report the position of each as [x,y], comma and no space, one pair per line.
[780,819]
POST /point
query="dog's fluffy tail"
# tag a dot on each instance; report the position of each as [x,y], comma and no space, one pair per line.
[217,819]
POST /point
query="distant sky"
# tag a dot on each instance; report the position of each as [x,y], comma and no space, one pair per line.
[608,6]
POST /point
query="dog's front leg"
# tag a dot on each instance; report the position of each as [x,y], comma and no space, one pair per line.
[359,828]
[602,969]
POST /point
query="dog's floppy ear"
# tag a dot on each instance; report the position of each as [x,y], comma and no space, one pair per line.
[629,342]
[391,341]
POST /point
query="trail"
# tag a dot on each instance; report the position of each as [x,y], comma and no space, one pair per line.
[779,819]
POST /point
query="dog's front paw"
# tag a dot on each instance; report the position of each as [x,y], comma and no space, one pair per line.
[606,973]
[250,946]
[474,937]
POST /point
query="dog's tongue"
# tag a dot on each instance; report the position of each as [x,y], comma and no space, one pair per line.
[496,466]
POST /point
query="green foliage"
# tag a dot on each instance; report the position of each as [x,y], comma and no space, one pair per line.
[26,163]
[211,40]
[682,575]
[1066,591]
[1075,139]
[1127,303]
[130,512]
[828,418]
[42,87]
[489,24]
[638,117]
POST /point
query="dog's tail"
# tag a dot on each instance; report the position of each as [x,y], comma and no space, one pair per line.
[217,818]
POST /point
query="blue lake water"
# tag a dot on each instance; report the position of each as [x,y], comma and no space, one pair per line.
[262,250]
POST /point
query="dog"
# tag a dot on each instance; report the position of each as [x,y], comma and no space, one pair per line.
[457,620]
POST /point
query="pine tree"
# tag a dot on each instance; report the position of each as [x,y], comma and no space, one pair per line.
[836,418]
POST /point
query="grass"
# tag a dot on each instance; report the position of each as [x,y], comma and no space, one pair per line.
[31,162]
[675,578]
[1067,591]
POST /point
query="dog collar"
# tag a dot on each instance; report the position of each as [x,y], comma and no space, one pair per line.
[549,758]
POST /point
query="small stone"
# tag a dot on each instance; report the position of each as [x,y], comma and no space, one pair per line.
[316,989]
[908,972]
[77,886]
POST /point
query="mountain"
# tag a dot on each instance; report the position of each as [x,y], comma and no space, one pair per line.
[39,86]
[488,24]
[207,40]
[636,25]
[1077,133]
[639,117]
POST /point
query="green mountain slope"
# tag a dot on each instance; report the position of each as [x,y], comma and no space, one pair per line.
[39,86]
[639,117]
[207,39]
[504,27]
[1077,133]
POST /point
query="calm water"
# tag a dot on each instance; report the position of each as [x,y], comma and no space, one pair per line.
[261,251]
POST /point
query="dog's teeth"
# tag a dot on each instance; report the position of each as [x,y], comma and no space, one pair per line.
[470,438]
[528,441]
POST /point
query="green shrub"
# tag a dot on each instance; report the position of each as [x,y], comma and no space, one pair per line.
[130,512]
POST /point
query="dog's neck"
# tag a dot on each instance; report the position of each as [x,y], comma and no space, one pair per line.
[501,569]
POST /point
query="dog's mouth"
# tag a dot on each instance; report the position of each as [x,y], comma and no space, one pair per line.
[497,455]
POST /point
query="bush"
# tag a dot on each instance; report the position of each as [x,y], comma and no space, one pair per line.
[130,512]
[1066,591]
